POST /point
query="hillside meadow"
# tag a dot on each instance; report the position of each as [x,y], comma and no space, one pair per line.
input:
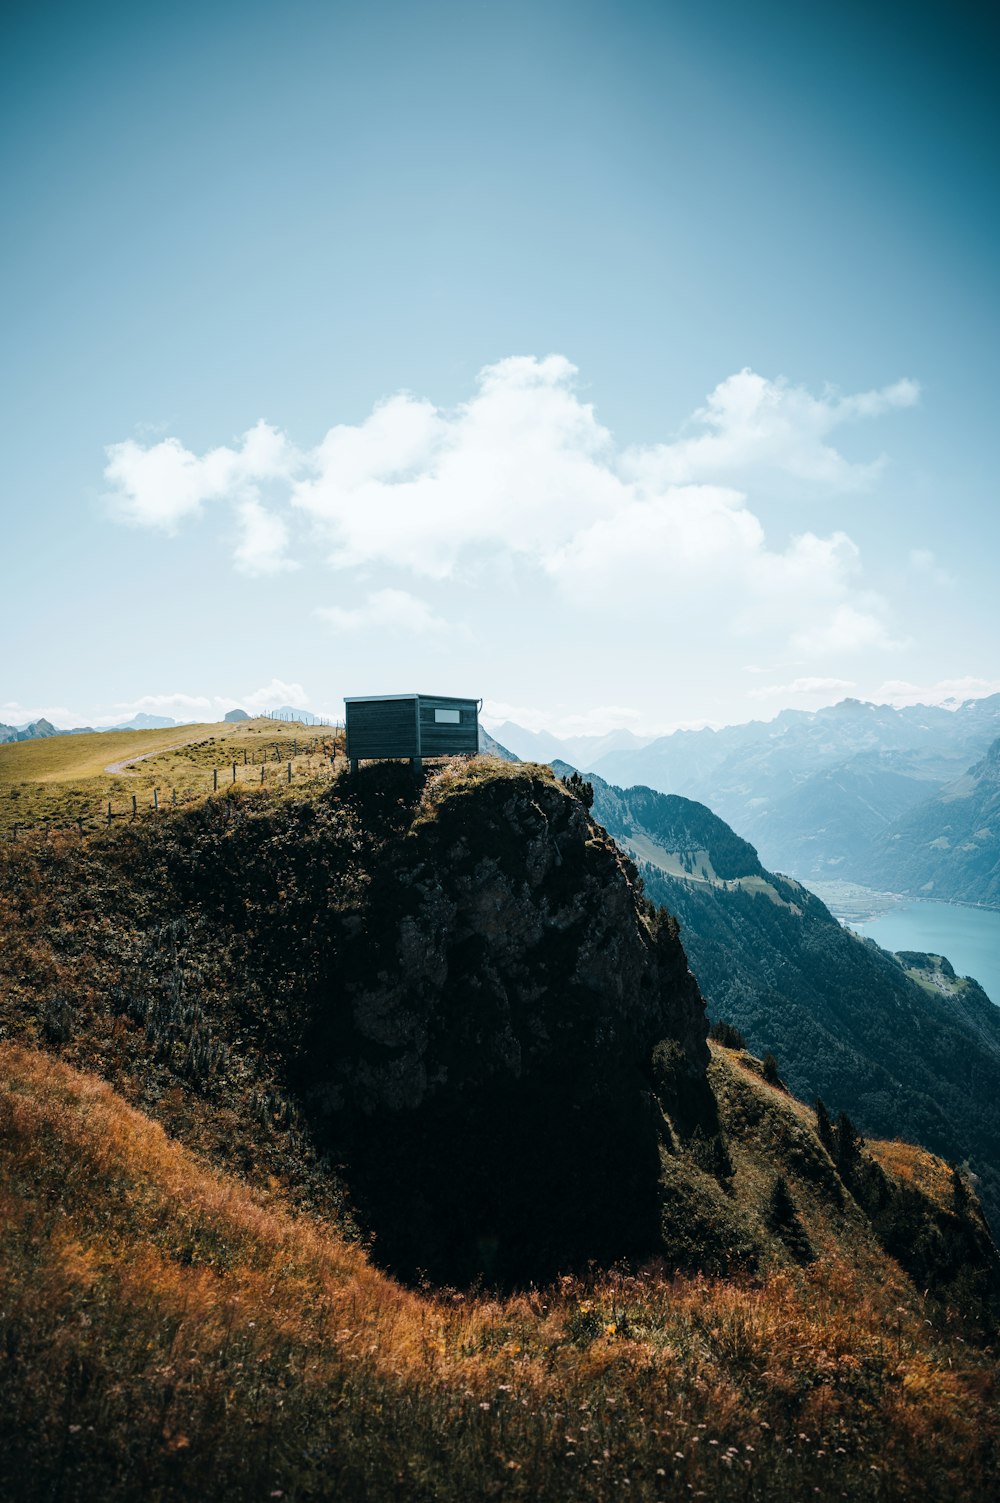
[59,780]
[167,1333]
[191,1308]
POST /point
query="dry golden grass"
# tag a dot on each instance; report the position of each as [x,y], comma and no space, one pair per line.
[60,779]
[169,1335]
[914,1166]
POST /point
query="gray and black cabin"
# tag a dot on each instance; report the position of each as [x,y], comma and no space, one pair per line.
[410,725]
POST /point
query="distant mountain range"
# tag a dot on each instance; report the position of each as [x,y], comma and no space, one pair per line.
[948,846]
[901,1042]
[815,791]
[36,729]
[542,746]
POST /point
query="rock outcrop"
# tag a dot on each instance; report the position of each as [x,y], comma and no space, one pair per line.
[483,1062]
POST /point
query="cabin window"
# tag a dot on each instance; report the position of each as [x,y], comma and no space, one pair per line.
[447,717]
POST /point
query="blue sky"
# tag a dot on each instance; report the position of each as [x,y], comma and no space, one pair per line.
[620,363]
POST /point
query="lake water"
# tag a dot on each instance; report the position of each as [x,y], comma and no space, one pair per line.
[969,937]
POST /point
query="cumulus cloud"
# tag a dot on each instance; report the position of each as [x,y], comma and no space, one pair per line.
[202,707]
[263,540]
[159,485]
[846,629]
[272,696]
[806,688]
[515,469]
[396,610]
[563,722]
[950,692]
[524,473]
[750,423]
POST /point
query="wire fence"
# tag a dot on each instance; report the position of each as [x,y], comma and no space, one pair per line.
[265,766]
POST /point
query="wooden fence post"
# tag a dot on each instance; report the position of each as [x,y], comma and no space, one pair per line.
[156,798]
[215,778]
[173,795]
[134,809]
[234,772]
[109,811]
[289,772]
[244,756]
[262,773]
[79,823]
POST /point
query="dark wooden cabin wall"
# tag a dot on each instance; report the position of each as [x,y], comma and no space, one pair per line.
[382,728]
[449,740]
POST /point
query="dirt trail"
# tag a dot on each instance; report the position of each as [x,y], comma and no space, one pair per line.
[128,762]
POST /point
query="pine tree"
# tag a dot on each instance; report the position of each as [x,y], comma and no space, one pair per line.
[959,1192]
[824,1127]
[580,789]
[783,1219]
[769,1070]
[780,1206]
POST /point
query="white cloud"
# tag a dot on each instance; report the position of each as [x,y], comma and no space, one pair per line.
[597,721]
[12,712]
[205,707]
[950,692]
[750,423]
[393,610]
[524,474]
[271,696]
[160,485]
[516,469]
[846,629]
[806,688]
[263,541]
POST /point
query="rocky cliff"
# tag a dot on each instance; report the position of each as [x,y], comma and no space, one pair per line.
[484,1058]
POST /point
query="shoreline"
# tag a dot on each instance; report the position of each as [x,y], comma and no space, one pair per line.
[857,904]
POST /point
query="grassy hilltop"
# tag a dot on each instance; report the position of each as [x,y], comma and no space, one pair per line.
[199,1014]
[60,779]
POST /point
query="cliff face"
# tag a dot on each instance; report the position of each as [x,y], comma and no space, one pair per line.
[501,927]
[483,1058]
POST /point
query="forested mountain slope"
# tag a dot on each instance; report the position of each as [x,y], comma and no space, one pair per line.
[948,846]
[845,1019]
